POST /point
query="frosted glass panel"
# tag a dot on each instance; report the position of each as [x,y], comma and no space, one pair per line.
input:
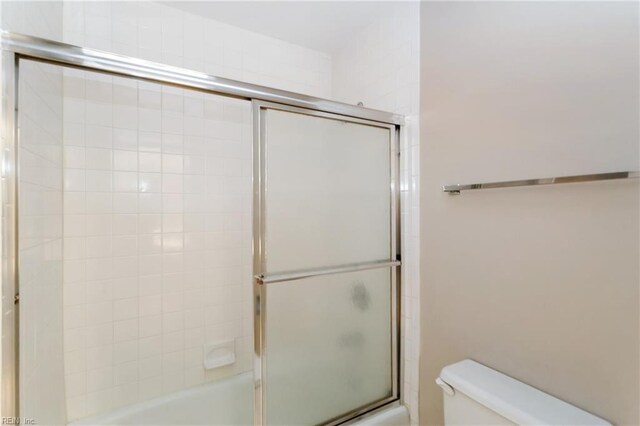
[328,346]
[327,192]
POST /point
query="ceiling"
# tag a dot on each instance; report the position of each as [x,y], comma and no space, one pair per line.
[319,25]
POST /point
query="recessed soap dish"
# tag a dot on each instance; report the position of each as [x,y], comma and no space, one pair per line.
[219,354]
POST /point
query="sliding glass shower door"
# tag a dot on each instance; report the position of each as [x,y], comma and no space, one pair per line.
[326,329]
[127,215]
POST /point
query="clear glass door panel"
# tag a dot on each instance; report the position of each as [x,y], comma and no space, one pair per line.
[135,250]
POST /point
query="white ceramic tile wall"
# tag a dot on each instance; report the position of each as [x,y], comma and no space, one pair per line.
[160,33]
[40,157]
[148,144]
[38,18]
[380,66]
[40,239]
[157,242]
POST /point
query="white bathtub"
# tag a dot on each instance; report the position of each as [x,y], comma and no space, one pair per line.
[226,402]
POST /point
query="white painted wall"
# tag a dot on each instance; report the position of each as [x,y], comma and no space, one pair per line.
[539,283]
[379,66]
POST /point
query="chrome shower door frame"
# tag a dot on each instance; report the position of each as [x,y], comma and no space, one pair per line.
[9,228]
[16,47]
[259,259]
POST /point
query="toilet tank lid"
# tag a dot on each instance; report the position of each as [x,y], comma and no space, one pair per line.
[512,399]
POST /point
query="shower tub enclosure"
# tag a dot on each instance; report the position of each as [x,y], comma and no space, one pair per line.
[181,248]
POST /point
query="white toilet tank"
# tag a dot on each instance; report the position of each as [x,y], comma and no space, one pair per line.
[477,395]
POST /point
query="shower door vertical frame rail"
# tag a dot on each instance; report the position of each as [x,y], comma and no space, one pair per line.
[259,260]
[10,371]
[16,47]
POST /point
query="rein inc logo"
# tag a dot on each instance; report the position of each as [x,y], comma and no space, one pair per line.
[18,421]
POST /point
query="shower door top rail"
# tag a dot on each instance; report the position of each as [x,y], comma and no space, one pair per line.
[66,54]
[455,189]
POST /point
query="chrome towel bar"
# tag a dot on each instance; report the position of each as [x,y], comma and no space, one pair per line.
[455,189]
